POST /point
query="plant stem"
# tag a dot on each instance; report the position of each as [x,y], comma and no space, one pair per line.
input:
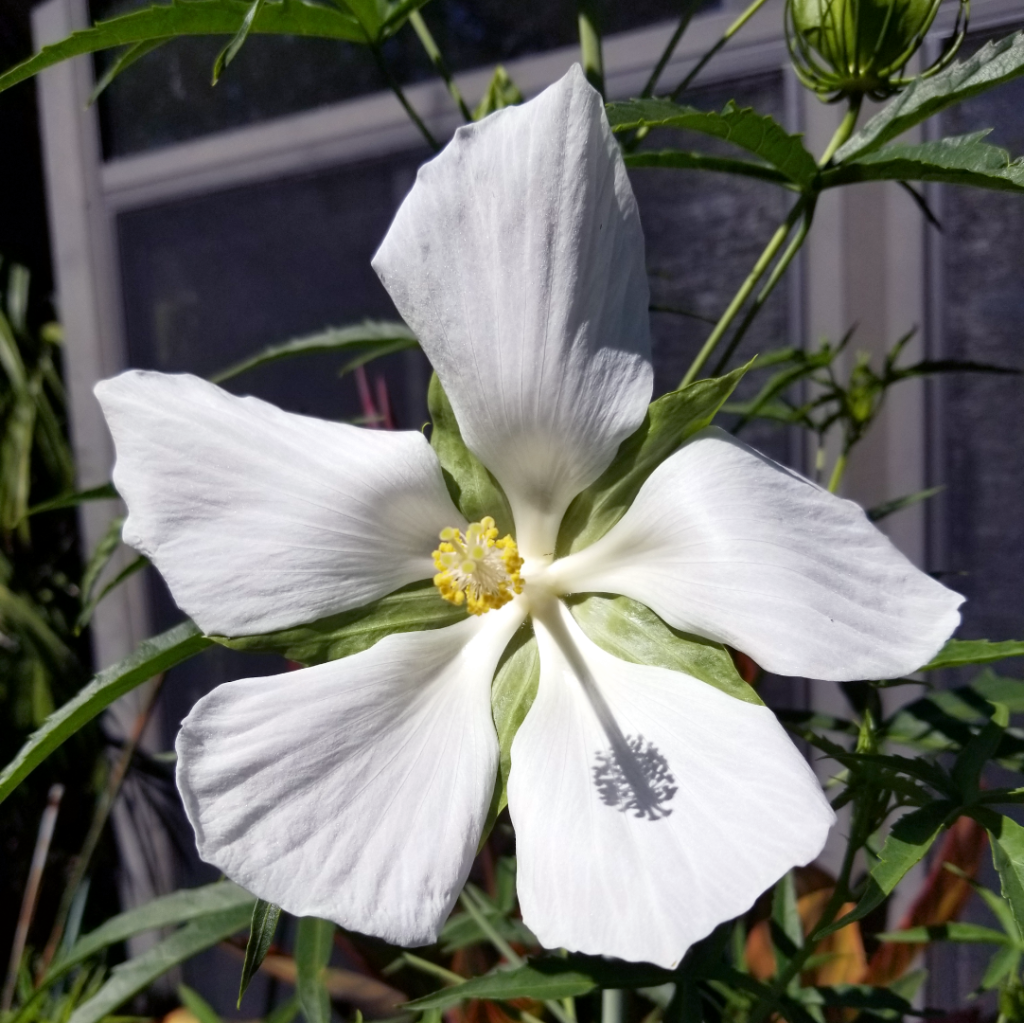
[763,262]
[840,894]
[425,966]
[104,805]
[844,131]
[440,64]
[689,9]
[47,823]
[773,278]
[590,43]
[406,105]
[837,473]
[726,36]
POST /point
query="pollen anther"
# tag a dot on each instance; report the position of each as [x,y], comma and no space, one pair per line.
[477,569]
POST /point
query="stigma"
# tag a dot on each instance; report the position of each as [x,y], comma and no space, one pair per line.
[476,569]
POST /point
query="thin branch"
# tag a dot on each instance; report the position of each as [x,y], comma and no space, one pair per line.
[440,64]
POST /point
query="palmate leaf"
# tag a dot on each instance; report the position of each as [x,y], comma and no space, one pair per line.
[998,61]
[906,844]
[150,658]
[677,159]
[670,420]
[192,18]
[135,975]
[960,160]
[742,126]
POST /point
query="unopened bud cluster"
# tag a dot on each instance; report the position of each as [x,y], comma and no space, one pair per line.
[857,48]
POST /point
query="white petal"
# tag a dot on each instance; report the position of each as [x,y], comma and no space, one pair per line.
[597,878]
[518,260]
[260,519]
[355,790]
[725,543]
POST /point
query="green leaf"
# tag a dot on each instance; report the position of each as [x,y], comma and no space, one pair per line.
[474,490]
[910,838]
[997,62]
[501,92]
[152,657]
[100,557]
[976,754]
[630,631]
[227,55]
[1008,856]
[785,926]
[676,159]
[370,335]
[197,1005]
[974,651]
[962,160]
[125,61]
[313,946]
[513,691]
[128,979]
[669,421]
[744,127]
[546,978]
[964,934]
[887,508]
[105,492]
[177,908]
[192,18]
[1004,963]
[413,608]
[20,613]
[85,615]
[261,933]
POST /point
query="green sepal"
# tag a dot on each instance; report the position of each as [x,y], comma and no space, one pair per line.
[473,489]
[632,632]
[413,608]
[670,420]
[512,694]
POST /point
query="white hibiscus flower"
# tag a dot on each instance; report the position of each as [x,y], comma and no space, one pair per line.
[648,806]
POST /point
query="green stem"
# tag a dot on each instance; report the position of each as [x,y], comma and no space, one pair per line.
[652,83]
[773,278]
[590,43]
[840,895]
[432,969]
[726,36]
[844,131]
[406,105]
[746,288]
[440,64]
[837,473]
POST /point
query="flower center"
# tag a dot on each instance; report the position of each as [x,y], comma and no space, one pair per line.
[476,569]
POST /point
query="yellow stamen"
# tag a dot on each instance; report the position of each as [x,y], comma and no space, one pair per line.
[477,569]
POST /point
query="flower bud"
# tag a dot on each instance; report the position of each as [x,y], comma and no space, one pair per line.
[846,48]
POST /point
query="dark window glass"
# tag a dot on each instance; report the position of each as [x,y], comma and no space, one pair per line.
[978,521]
[166,96]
